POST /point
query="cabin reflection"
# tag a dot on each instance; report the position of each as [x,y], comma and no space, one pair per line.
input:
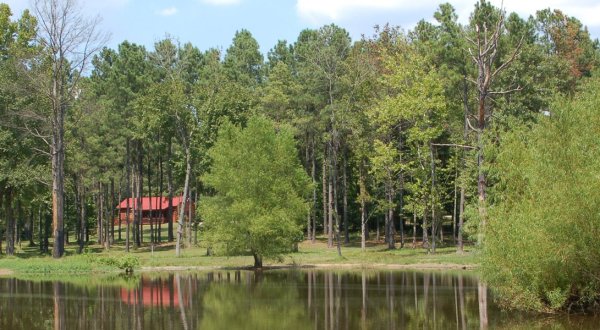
[155,293]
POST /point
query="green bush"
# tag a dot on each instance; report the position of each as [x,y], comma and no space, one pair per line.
[541,248]
[127,262]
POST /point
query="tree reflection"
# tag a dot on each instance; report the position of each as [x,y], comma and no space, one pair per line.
[284,299]
[59,305]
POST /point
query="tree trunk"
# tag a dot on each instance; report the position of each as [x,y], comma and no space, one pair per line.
[140,224]
[10,222]
[324,195]
[40,229]
[19,222]
[454,222]
[1,198]
[401,211]
[189,211]
[390,218]
[481,185]
[363,223]
[257,260]
[330,212]
[425,236]
[151,200]
[112,210]
[128,196]
[377,238]
[401,188]
[188,172]
[386,222]
[463,165]
[47,228]
[58,168]
[170,188]
[309,214]
[134,202]
[345,198]
[197,223]
[99,213]
[117,209]
[31,227]
[160,201]
[461,218]
[414,242]
[106,218]
[433,201]
[83,218]
[314,180]
[363,205]
[336,214]
[140,191]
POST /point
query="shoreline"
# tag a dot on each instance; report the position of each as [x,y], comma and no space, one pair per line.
[6,272]
[318,266]
[353,266]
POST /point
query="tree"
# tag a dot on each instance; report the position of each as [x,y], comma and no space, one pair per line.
[408,120]
[546,208]
[243,60]
[19,156]
[361,85]
[321,65]
[119,79]
[567,38]
[260,187]
[69,39]
[486,54]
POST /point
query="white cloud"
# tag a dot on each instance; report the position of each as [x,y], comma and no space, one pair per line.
[221,2]
[587,11]
[315,10]
[167,11]
[326,11]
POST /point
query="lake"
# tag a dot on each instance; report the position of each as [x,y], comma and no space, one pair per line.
[273,299]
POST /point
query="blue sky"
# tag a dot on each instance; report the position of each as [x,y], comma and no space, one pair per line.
[212,23]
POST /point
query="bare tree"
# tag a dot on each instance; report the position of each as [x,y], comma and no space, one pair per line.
[484,53]
[68,39]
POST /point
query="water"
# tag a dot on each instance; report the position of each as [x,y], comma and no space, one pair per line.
[277,299]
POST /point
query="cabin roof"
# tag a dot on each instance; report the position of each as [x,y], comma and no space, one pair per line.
[150,203]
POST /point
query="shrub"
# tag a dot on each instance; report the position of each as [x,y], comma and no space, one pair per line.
[541,248]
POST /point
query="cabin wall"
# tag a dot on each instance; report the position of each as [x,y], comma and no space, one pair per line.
[159,216]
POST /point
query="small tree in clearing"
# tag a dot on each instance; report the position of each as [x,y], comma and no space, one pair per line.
[260,188]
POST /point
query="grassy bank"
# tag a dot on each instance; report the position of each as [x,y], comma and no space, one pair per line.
[28,260]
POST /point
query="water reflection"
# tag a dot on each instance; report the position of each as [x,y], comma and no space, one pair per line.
[262,300]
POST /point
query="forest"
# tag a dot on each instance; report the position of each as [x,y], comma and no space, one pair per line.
[446,134]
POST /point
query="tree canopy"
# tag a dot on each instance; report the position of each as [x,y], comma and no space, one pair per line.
[260,191]
[542,245]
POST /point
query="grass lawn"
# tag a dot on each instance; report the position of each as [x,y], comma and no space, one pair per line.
[96,259]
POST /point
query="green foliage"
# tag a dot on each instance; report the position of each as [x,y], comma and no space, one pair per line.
[259,185]
[243,60]
[126,262]
[541,249]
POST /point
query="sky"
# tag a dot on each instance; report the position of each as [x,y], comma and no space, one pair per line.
[213,23]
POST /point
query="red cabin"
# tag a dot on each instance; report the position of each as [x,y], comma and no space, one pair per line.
[154,209]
